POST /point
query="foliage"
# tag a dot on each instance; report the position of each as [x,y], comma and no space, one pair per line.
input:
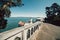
[5,6]
[53,14]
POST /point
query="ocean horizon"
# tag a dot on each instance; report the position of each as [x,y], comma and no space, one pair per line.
[13,22]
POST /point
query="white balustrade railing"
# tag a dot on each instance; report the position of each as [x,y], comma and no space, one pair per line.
[20,33]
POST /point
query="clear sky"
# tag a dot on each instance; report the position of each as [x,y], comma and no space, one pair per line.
[32,8]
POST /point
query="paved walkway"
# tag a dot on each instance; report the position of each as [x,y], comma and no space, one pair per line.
[46,32]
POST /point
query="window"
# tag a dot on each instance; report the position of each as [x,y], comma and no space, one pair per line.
[17,38]
[28,34]
[31,31]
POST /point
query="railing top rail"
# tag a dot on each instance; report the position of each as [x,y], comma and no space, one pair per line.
[17,30]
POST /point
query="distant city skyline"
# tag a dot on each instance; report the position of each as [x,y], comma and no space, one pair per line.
[32,8]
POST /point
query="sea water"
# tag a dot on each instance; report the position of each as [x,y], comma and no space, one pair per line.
[13,22]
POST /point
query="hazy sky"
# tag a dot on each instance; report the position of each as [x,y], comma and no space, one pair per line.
[32,8]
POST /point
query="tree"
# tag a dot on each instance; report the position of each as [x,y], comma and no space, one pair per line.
[5,6]
[53,14]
